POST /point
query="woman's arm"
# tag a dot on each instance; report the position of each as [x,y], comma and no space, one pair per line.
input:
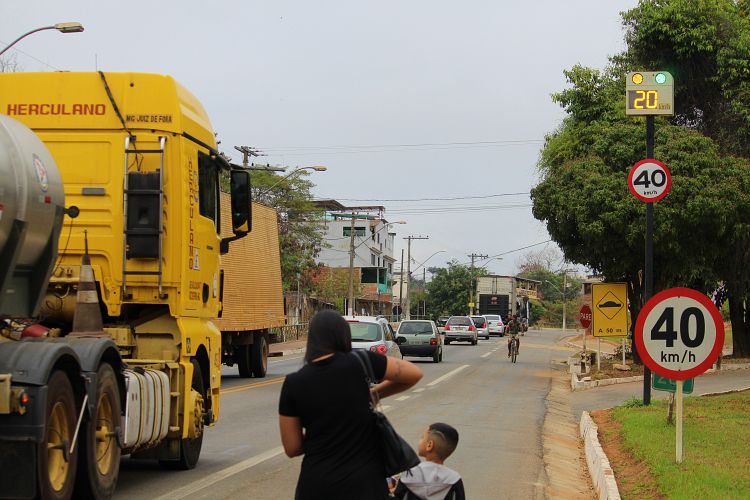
[399,376]
[291,435]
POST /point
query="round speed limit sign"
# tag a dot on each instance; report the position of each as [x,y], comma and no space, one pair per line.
[649,180]
[679,333]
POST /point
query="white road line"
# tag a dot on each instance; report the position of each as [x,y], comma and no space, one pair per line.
[402,398]
[447,375]
[485,354]
[385,408]
[418,390]
[214,478]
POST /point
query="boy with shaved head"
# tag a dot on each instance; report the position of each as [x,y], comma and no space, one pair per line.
[431,480]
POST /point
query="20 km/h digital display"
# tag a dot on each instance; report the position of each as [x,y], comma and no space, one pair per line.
[649,93]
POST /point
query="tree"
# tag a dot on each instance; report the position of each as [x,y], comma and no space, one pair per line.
[9,63]
[300,229]
[448,292]
[702,228]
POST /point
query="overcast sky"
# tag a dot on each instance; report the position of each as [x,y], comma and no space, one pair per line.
[399,99]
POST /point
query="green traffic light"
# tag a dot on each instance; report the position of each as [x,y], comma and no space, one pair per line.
[660,78]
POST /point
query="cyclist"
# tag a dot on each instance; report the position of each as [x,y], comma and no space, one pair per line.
[513,327]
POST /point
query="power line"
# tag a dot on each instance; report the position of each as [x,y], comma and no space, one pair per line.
[31,57]
[513,251]
[414,145]
[432,199]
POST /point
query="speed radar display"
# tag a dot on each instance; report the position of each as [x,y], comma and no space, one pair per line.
[649,93]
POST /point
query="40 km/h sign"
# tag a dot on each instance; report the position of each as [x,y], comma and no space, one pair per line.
[679,333]
[649,180]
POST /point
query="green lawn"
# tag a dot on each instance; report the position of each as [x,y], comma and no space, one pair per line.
[716,446]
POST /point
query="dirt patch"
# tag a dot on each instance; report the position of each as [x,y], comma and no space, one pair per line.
[609,371]
[634,480]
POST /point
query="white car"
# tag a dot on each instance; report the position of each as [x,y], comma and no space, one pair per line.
[460,329]
[373,334]
[495,324]
[481,324]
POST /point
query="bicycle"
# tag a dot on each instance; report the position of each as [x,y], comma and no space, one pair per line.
[513,348]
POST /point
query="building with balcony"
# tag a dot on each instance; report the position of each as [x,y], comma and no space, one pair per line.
[373,245]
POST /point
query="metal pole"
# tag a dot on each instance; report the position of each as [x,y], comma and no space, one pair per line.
[598,353]
[565,302]
[401,287]
[623,351]
[678,402]
[648,274]
[408,279]
[350,301]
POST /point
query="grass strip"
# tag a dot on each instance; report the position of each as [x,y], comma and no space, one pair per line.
[716,445]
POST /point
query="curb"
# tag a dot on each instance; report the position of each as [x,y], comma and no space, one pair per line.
[288,352]
[577,384]
[599,468]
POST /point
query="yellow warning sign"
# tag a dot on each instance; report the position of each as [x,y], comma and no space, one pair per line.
[609,302]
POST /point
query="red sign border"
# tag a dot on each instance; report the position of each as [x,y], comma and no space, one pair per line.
[636,193]
[715,351]
[580,312]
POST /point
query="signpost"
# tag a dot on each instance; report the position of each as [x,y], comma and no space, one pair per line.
[680,334]
[585,316]
[610,309]
[649,93]
[668,385]
[649,180]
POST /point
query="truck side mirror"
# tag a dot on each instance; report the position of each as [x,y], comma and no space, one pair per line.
[241,202]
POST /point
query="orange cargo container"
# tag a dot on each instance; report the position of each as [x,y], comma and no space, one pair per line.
[253,299]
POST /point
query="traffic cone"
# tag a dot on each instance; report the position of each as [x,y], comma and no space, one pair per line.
[87,319]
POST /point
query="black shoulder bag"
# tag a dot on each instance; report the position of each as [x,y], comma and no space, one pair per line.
[398,456]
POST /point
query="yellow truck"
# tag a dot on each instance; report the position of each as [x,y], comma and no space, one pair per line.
[134,157]
[252,300]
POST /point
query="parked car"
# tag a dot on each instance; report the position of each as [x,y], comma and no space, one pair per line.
[441,323]
[481,325]
[420,338]
[495,325]
[374,334]
[460,328]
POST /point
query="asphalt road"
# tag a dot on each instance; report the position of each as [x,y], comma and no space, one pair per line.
[497,407]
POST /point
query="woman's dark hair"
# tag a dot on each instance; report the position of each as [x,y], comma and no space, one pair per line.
[329,332]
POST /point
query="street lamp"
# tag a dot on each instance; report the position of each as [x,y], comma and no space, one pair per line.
[317,168]
[352,248]
[61,27]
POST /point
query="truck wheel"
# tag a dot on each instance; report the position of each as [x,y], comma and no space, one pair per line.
[242,357]
[57,466]
[259,356]
[190,449]
[99,457]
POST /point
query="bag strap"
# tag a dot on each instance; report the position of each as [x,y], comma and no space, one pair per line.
[364,361]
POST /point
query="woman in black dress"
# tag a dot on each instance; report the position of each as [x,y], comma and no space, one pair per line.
[324,414]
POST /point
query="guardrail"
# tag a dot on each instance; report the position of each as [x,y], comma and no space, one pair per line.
[288,332]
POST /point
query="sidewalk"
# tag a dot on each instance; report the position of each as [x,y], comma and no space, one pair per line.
[287,348]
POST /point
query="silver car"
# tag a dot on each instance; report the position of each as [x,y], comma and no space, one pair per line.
[373,334]
[460,328]
[481,325]
[495,324]
[420,338]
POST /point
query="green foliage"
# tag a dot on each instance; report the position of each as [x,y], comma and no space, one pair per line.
[449,290]
[632,402]
[702,228]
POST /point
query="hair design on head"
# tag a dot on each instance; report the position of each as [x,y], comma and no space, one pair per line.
[328,333]
[445,438]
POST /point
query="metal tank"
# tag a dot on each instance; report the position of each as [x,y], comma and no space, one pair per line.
[31,212]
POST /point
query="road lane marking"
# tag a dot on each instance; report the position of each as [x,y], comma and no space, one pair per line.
[402,398]
[385,408]
[486,354]
[447,375]
[239,388]
[285,359]
[215,477]
[418,390]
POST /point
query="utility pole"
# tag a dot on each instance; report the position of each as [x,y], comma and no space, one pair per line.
[472,296]
[408,272]
[350,300]
[401,288]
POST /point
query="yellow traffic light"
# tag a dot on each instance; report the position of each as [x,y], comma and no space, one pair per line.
[637,78]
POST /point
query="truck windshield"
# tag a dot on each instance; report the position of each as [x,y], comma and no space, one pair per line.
[365,332]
